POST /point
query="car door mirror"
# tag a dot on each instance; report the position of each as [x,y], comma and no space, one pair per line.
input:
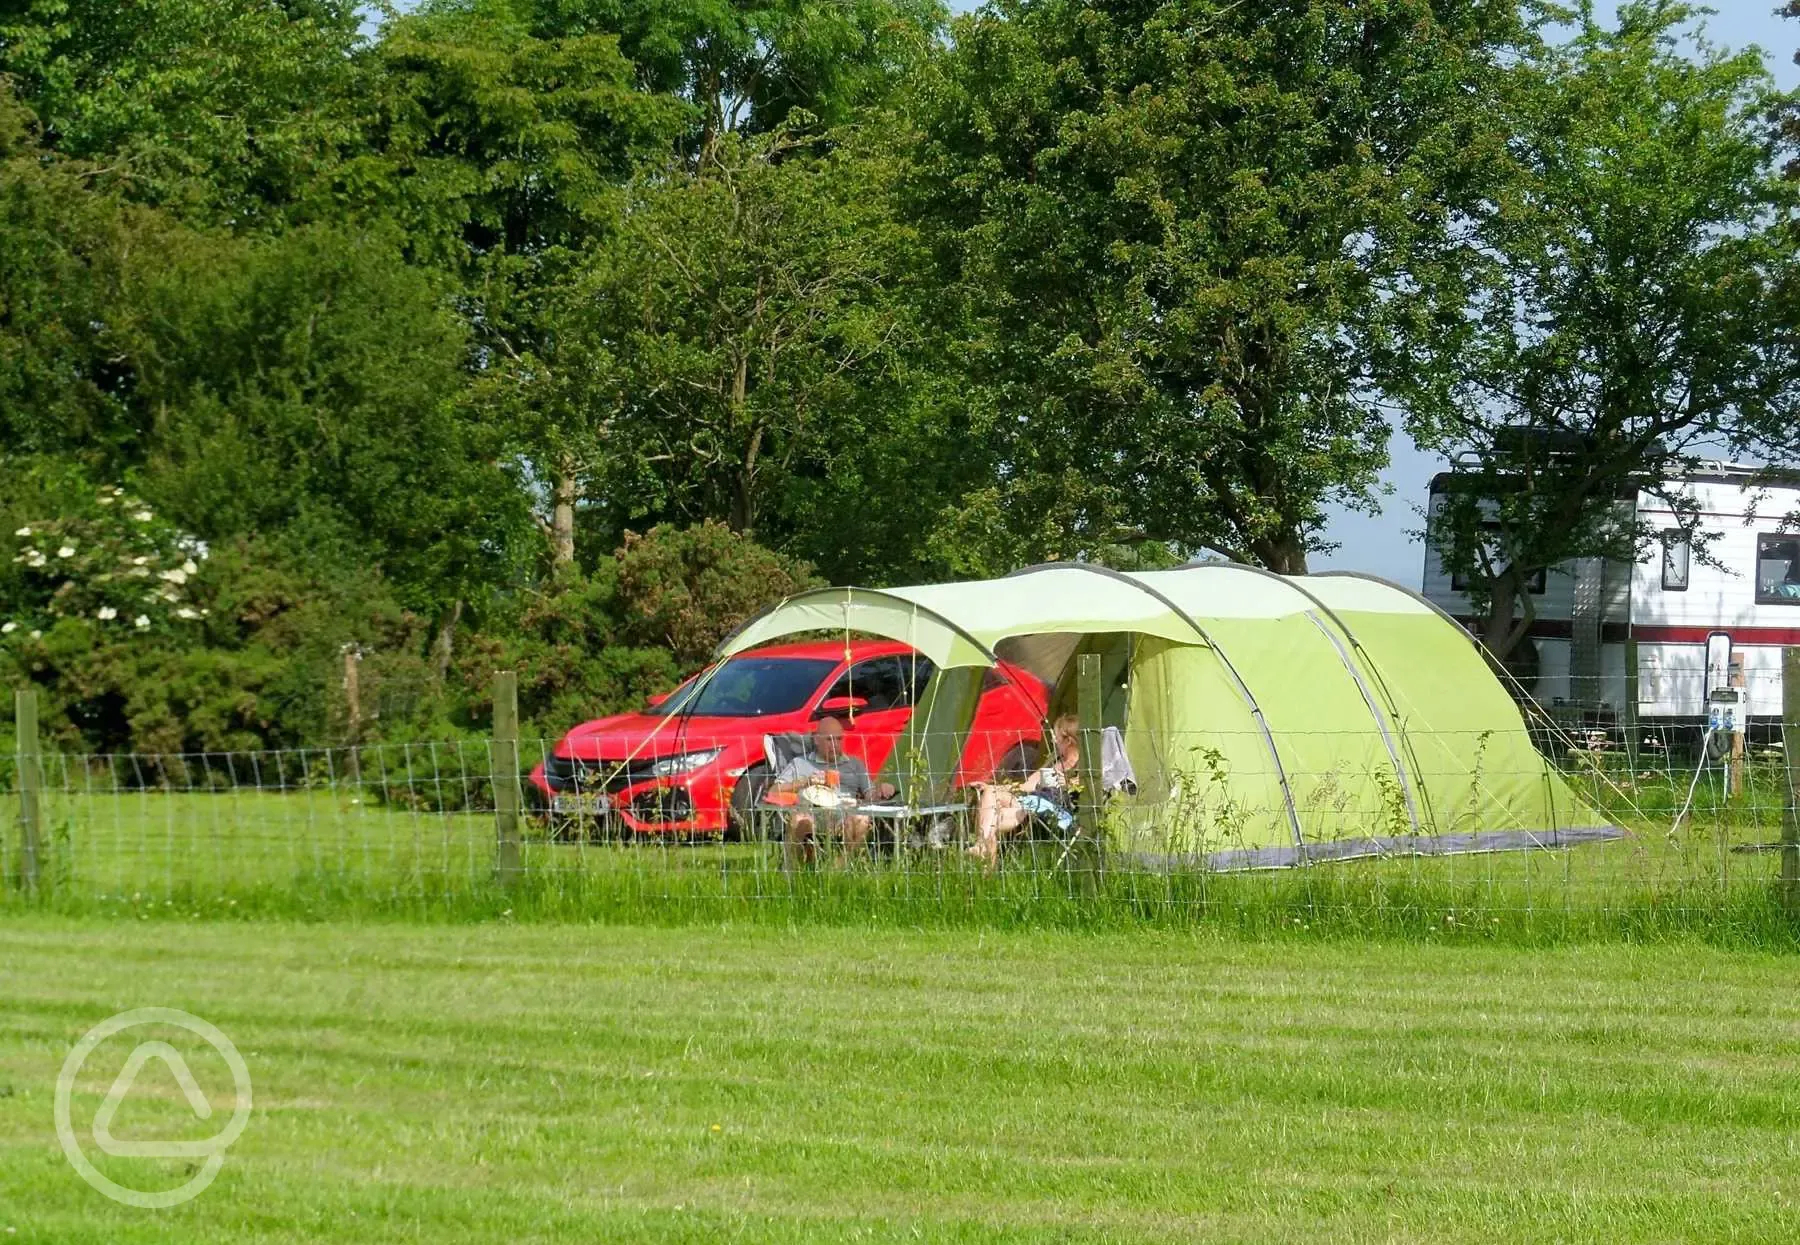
[832,706]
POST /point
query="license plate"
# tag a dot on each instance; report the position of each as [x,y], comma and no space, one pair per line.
[584,804]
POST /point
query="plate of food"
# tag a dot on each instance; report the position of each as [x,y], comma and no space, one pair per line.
[820,796]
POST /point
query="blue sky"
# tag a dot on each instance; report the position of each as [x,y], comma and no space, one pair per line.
[1381,544]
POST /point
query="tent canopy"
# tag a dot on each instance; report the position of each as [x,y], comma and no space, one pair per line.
[959,624]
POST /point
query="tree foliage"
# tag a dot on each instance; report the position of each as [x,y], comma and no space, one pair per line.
[1180,227]
[685,589]
[1626,306]
[745,65]
[64,252]
[755,310]
[223,111]
[401,321]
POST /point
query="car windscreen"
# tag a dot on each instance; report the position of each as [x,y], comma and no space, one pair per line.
[752,687]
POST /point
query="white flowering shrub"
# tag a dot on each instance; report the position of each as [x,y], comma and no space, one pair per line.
[115,564]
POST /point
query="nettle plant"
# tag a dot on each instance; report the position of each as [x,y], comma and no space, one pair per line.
[118,566]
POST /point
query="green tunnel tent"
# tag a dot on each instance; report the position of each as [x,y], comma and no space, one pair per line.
[1271,720]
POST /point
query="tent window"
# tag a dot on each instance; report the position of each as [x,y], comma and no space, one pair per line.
[1675,555]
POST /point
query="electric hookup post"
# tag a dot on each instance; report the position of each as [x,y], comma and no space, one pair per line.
[1790,811]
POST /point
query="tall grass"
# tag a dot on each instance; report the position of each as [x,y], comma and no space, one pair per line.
[1367,900]
[325,852]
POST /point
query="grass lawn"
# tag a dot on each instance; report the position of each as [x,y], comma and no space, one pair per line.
[578,1083]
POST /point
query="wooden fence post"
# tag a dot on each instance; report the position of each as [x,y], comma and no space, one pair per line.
[1088,712]
[353,711]
[1790,758]
[508,796]
[31,784]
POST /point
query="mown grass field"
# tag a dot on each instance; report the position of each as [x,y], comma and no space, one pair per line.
[580,1083]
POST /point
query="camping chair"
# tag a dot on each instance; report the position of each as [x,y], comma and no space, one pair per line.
[766,822]
[1116,777]
[778,750]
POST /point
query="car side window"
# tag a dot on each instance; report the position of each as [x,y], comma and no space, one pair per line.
[885,682]
[915,677]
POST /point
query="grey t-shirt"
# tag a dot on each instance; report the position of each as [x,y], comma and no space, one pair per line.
[853,775]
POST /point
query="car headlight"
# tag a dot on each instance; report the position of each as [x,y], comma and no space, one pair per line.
[686,763]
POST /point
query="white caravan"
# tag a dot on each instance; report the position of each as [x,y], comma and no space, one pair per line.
[1694,626]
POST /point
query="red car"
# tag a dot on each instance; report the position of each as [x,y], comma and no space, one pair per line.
[694,764]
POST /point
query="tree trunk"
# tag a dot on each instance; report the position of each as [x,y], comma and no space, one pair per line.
[443,648]
[1501,632]
[1283,553]
[712,118]
[743,501]
[562,518]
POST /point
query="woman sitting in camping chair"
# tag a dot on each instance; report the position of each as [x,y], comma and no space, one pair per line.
[1045,793]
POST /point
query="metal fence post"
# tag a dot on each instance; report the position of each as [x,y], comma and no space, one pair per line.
[1790,812]
[1088,713]
[31,783]
[1630,716]
[508,796]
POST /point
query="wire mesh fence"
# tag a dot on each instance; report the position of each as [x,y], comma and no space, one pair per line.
[1666,826]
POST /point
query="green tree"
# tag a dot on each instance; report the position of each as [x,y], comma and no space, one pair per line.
[64,249]
[523,121]
[746,65]
[494,141]
[760,318]
[1628,305]
[312,381]
[227,112]
[1179,229]
[502,146]
[684,590]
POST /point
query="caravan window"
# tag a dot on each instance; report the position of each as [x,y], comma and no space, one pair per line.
[1675,561]
[1535,585]
[1778,570]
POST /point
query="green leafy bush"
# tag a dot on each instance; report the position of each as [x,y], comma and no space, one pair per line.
[686,589]
[106,559]
[260,666]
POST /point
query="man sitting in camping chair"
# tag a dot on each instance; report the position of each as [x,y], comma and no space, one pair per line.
[822,788]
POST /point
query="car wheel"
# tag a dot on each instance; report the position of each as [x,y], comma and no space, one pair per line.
[746,820]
